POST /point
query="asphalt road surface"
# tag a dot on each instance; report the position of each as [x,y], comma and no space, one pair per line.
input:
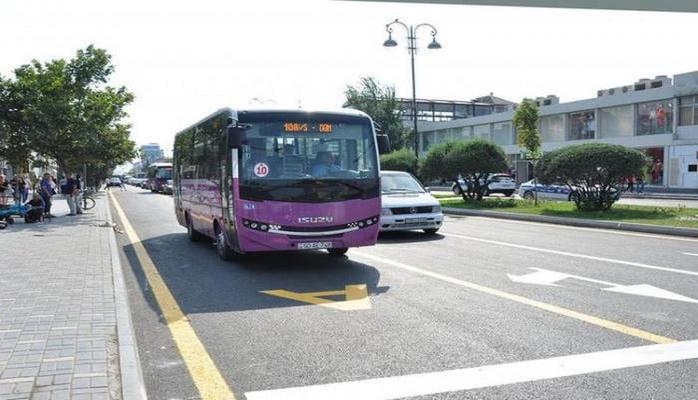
[548,312]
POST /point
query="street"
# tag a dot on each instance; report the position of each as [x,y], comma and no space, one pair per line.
[414,316]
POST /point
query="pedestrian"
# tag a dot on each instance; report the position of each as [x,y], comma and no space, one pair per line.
[25,185]
[16,191]
[36,209]
[631,183]
[47,188]
[5,190]
[640,184]
[70,191]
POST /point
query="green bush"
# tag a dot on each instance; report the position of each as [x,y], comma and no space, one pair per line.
[432,166]
[595,171]
[400,160]
[473,160]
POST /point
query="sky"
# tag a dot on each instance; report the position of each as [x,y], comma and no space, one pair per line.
[185,59]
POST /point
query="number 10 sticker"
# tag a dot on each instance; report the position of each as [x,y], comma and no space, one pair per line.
[261,170]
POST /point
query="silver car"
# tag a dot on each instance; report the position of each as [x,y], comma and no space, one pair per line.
[407,205]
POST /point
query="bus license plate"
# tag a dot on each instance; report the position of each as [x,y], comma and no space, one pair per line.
[314,245]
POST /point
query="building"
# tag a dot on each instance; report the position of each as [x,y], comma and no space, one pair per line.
[150,153]
[658,116]
[448,110]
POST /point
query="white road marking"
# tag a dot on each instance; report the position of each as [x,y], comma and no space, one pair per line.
[579,228]
[691,254]
[486,376]
[569,254]
[551,278]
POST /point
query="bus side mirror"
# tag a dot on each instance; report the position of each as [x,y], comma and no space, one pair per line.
[383,144]
[236,137]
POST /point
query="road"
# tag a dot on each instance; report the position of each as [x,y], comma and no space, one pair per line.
[515,298]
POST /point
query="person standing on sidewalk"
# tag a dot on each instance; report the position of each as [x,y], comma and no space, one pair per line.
[47,188]
[69,190]
[5,190]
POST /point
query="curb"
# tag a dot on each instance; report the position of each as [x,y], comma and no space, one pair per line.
[586,223]
[132,383]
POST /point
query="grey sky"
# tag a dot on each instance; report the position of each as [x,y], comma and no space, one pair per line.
[184,60]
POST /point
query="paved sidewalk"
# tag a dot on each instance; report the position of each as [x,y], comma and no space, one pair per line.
[58,313]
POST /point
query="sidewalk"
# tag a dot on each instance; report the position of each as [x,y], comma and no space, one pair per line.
[59,308]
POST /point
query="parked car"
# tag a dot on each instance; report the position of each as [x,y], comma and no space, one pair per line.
[552,192]
[114,181]
[167,187]
[407,205]
[549,192]
[496,183]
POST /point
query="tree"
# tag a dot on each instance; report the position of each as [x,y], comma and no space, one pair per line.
[380,103]
[527,136]
[526,123]
[473,160]
[14,137]
[595,172]
[400,160]
[72,115]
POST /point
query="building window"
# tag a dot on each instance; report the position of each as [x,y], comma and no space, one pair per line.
[616,122]
[688,110]
[552,128]
[582,125]
[502,133]
[655,117]
[482,131]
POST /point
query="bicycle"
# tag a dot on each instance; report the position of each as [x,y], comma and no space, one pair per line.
[88,202]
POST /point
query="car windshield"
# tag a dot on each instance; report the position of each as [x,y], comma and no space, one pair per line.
[400,183]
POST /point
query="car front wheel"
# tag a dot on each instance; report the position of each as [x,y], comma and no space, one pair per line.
[528,195]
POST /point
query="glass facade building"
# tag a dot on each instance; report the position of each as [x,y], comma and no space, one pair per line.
[658,117]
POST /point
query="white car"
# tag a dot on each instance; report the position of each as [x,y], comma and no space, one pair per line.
[407,205]
[496,183]
[550,192]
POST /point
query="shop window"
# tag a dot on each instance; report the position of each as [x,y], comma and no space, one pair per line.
[688,110]
[582,125]
[553,128]
[502,133]
[655,117]
[482,131]
[616,122]
[655,172]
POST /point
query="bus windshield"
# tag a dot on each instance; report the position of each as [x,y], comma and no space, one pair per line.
[285,156]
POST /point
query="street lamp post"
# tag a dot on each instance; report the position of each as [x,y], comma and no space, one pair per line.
[412,47]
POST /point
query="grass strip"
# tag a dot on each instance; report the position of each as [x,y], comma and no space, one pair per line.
[667,216]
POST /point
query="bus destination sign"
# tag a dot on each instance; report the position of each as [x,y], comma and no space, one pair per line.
[305,127]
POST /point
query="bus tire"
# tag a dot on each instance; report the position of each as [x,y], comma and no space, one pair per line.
[339,251]
[224,251]
[192,233]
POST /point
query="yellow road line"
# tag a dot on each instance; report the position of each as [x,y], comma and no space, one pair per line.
[604,323]
[203,370]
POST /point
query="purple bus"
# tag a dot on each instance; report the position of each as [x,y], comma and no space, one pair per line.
[158,174]
[260,181]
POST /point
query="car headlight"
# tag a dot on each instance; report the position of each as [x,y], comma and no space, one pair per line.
[436,209]
[386,211]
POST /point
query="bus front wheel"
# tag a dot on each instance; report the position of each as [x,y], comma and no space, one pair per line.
[340,251]
[224,251]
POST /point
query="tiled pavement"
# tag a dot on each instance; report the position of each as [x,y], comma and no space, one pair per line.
[58,337]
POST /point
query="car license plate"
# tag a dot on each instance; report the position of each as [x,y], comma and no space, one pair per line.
[415,220]
[314,245]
